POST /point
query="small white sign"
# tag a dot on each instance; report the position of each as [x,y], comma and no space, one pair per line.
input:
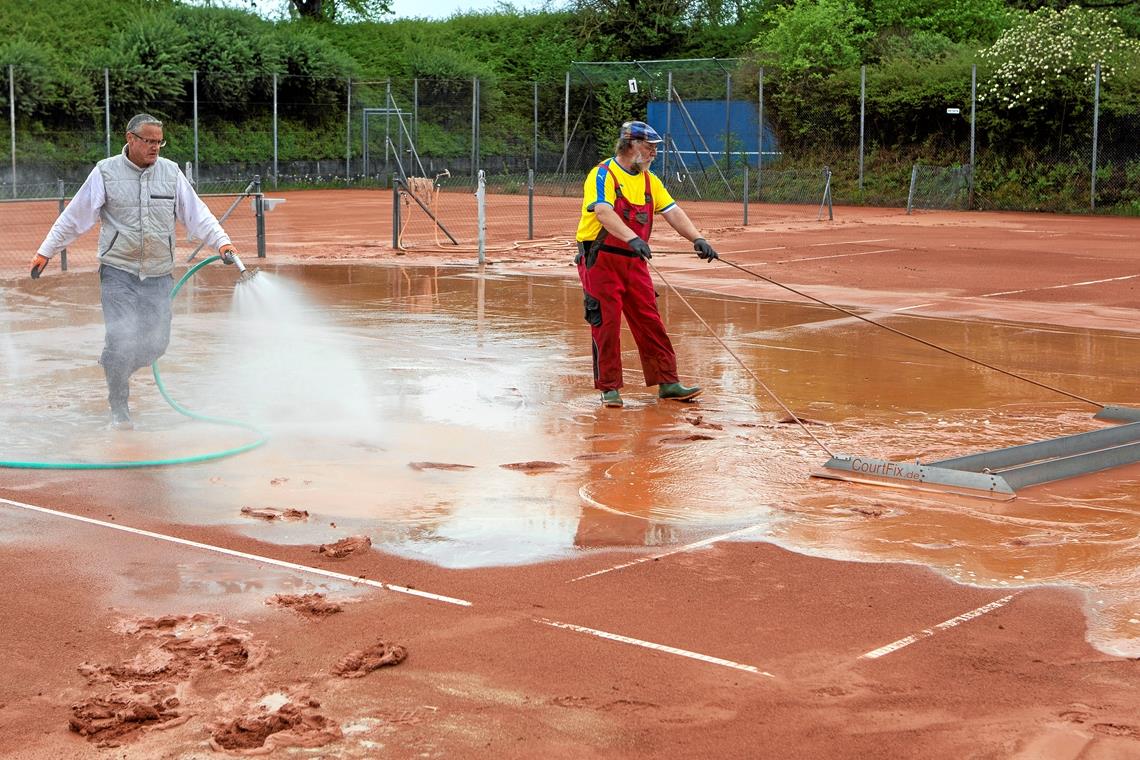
[633,86]
[954,111]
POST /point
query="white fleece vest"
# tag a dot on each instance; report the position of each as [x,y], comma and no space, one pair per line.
[137,234]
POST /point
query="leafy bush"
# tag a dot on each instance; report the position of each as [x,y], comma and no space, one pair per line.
[813,36]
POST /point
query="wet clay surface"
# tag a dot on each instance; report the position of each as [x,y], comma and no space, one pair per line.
[441,422]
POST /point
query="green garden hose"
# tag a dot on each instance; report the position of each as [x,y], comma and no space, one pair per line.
[262,437]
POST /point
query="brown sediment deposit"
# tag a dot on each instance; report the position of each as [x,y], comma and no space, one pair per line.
[260,730]
[685,438]
[361,662]
[533,467]
[143,693]
[309,606]
[270,514]
[344,547]
[440,466]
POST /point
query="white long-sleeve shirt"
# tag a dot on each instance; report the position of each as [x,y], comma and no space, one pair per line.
[82,213]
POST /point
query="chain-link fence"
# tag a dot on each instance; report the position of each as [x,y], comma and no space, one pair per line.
[717,117]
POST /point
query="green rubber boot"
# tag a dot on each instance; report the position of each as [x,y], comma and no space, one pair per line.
[677,392]
[612,398]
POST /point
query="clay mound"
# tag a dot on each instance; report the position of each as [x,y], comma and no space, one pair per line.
[420,466]
[363,661]
[273,513]
[686,438]
[345,547]
[109,721]
[804,420]
[260,731]
[537,466]
[309,606]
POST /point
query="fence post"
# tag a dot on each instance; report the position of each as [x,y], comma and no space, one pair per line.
[566,127]
[474,118]
[62,206]
[259,215]
[745,193]
[760,142]
[530,204]
[973,105]
[862,120]
[534,163]
[12,119]
[668,122]
[727,121]
[910,193]
[1096,128]
[107,108]
[197,166]
[275,131]
[348,133]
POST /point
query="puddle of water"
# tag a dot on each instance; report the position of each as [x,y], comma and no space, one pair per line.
[395,396]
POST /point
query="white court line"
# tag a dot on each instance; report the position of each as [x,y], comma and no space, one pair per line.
[894,646]
[836,256]
[242,555]
[1058,287]
[850,242]
[916,306]
[658,647]
[678,550]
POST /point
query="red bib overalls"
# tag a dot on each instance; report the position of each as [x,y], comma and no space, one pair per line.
[616,281]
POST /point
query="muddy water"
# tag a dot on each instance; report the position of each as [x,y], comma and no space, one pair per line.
[450,417]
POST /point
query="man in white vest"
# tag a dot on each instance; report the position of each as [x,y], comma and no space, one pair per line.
[137,197]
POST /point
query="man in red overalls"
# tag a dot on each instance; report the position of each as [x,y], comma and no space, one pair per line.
[620,199]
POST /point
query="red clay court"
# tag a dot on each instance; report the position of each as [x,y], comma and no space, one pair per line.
[449,549]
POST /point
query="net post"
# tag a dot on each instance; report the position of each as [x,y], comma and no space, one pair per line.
[530,204]
[395,212]
[481,203]
[259,214]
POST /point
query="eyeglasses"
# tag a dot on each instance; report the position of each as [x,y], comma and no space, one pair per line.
[149,142]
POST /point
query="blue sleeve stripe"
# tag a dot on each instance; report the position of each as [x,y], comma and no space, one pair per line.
[670,206]
[600,184]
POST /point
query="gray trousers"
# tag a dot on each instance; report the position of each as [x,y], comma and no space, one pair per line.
[137,316]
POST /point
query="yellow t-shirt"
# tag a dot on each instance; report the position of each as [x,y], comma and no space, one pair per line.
[599,188]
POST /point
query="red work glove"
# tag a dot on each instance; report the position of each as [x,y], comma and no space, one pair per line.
[227,252]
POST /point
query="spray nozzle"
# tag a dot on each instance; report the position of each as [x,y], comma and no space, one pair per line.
[244,275]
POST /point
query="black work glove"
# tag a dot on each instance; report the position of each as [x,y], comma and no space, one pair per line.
[640,247]
[704,250]
[39,263]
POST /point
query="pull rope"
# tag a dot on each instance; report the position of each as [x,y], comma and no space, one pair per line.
[923,341]
[732,353]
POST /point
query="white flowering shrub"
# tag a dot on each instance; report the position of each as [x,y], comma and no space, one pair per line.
[1050,55]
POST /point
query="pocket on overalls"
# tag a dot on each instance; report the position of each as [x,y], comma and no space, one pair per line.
[593,310]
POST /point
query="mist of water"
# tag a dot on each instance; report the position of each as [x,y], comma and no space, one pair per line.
[11,362]
[291,365]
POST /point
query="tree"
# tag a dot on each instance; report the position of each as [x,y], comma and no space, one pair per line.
[630,30]
[341,10]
